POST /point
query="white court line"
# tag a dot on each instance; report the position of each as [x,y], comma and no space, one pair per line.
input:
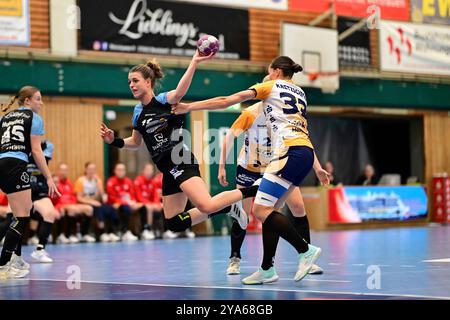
[317,280]
[437,260]
[407,266]
[358,264]
[252,289]
[334,264]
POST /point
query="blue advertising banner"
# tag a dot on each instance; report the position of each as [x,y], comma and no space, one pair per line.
[359,204]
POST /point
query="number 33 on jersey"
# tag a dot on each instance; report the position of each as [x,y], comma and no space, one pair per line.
[284,106]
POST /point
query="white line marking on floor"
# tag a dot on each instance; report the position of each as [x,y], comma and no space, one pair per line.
[334,264]
[252,289]
[317,280]
[437,260]
[407,266]
[358,264]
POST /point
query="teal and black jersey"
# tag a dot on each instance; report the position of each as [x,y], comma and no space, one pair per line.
[15,130]
[160,129]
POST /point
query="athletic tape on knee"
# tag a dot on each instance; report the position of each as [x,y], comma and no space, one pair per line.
[270,190]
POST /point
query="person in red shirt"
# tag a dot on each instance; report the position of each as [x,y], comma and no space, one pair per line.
[67,203]
[147,194]
[122,196]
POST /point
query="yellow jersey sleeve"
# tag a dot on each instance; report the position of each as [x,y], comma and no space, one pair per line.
[78,188]
[263,89]
[242,123]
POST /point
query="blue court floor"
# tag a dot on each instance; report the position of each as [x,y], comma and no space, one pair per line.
[400,263]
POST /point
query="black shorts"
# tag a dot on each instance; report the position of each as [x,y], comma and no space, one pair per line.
[39,190]
[174,175]
[13,175]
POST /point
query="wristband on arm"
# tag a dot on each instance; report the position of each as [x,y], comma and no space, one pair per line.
[118,143]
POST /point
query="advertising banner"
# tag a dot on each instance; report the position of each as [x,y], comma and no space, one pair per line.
[161,27]
[430,11]
[415,48]
[14,22]
[263,4]
[361,204]
[388,9]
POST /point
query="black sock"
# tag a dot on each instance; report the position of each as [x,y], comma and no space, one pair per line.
[18,250]
[301,224]
[270,243]
[43,233]
[249,192]
[224,210]
[280,223]
[12,238]
[237,236]
[85,224]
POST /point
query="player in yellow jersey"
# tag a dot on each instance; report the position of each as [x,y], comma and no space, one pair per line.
[254,156]
[284,106]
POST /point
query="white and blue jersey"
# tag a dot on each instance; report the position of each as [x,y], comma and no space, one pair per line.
[15,130]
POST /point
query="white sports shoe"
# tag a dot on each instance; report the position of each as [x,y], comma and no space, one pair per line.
[234,266]
[41,256]
[169,235]
[73,239]
[18,262]
[128,236]
[33,241]
[104,237]
[189,233]
[62,239]
[238,213]
[315,269]
[261,276]
[10,272]
[88,238]
[113,237]
[306,260]
[148,235]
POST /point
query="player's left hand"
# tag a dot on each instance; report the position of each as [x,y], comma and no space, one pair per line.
[323,176]
[180,108]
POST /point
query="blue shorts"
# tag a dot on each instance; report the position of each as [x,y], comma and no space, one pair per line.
[295,165]
[245,177]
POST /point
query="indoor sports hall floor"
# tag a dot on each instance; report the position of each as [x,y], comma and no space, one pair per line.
[413,263]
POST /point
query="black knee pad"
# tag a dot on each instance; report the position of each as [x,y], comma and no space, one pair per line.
[179,223]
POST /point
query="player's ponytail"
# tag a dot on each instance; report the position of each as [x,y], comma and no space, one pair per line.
[24,93]
[287,66]
[5,107]
[156,68]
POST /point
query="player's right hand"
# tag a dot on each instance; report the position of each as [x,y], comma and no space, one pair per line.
[106,134]
[222,177]
[52,189]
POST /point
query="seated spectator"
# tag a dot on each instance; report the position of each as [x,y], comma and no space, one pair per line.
[68,205]
[89,191]
[167,234]
[334,179]
[122,196]
[147,194]
[368,177]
